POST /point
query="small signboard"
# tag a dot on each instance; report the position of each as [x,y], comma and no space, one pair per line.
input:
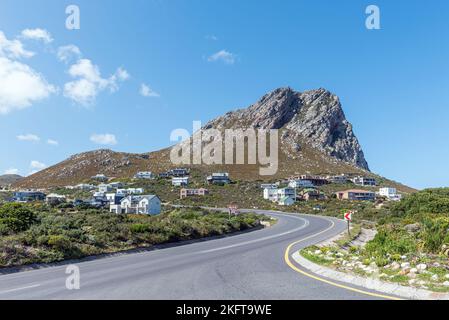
[233,209]
[348,216]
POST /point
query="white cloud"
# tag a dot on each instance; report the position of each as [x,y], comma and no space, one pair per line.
[13,48]
[211,37]
[90,83]
[68,53]
[37,34]
[122,74]
[146,91]
[37,165]
[224,56]
[28,137]
[12,171]
[104,139]
[20,86]
[52,142]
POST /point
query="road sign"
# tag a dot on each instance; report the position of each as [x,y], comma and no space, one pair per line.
[348,216]
[233,209]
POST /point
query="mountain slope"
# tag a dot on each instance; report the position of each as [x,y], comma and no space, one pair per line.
[313,117]
[7,179]
[315,138]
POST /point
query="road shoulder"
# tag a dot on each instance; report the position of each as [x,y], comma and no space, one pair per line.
[368,283]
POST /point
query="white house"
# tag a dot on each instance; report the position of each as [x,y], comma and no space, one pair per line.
[114,198]
[100,177]
[298,183]
[286,201]
[270,194]
[268,185]
[286,192]
[130,191]
[85,187]
[147,204]
[116,185]
[104,188]
[390,194]
[364,181]
[180,181]
[144,175]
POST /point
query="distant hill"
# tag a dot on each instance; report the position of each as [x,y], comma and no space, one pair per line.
[315,138]
[8,179]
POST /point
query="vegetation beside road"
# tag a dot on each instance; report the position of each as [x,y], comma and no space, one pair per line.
[36,233]
[411,246]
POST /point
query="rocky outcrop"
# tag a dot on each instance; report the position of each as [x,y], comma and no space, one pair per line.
[314,117]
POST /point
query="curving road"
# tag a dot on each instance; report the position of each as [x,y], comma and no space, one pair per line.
[253,265]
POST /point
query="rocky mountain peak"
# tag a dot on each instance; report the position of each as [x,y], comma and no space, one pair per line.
[314,117]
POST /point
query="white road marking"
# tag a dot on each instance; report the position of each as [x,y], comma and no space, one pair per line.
[306,223]
[21,288]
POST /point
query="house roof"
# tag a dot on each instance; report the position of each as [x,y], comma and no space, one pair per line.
[356,191]
[134,198]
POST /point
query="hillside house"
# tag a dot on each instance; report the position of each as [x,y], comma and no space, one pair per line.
[180,181]
[100,177]
[28,196]
[220,178]
[340,179]
[356,195]
[286,201]
[270,194]
[85,187]
[364,181]
[311,194]
[184,193]
[130,191]
[114,198]
[104,188]
[298,183]
[315,180]
[390,194]
[144,204]
[164,175]
[116,185]
[144,175]
[55,199]
[179,172]
[269,185]
[286,192]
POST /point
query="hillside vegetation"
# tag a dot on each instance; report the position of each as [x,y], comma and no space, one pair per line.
[411,246]
[41,234]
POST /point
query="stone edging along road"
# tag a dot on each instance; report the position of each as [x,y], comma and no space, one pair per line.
[369,283]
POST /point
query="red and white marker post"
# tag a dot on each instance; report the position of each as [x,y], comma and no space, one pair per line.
[348,218]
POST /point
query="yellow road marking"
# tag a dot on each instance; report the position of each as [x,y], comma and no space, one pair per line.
[291,265]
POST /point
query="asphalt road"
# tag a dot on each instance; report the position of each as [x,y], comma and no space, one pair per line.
[249,266]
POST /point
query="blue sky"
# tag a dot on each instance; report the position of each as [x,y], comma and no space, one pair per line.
[200,59]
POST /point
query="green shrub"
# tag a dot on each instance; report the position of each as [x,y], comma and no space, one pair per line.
[390,241]
[139,228]
[59,242]
[16,217]
[435,233]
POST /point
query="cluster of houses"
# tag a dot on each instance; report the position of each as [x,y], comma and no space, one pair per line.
[118,199]
[307,186]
